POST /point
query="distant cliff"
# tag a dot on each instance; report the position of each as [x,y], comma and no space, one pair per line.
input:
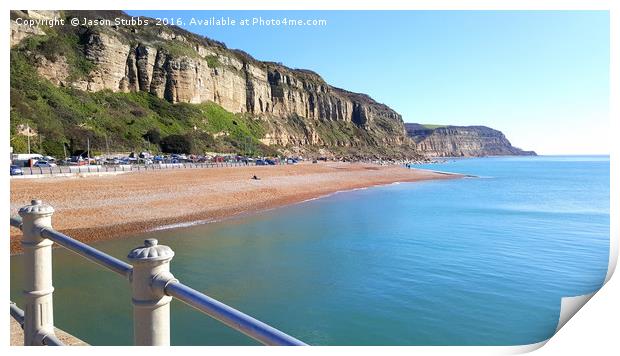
[461,141]
[127,69]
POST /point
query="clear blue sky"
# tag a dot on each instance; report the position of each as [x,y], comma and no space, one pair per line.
[541,77]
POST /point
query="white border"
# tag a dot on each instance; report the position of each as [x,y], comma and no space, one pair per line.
[592,330]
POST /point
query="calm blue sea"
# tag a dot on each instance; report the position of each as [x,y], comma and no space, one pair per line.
[476,261]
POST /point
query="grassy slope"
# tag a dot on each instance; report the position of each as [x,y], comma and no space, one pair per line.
[69,116]
[432,126]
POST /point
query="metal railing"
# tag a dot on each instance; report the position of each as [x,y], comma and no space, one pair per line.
[105,168]
[152,284]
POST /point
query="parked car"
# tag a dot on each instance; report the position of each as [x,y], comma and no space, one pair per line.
[16,171]
[77,161]
[270,162]
[112,161]
[44,164]
[261,162]
[179,157]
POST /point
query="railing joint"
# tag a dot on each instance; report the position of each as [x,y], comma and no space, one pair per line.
[161,280]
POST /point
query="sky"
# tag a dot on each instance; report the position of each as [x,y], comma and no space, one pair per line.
[540,77]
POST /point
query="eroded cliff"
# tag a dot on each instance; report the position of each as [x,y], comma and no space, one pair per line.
[296,108]
[462,141]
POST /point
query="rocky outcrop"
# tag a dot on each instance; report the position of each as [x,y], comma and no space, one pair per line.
[20,30]
[461,141]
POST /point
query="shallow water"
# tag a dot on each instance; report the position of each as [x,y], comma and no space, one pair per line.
[480,261]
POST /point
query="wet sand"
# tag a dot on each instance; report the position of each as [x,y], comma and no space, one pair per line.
[107,207]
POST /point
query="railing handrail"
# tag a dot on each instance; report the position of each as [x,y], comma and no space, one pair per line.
[231,317]
[16,221]
[51,340]
[88,252]
[225,314]
[17,314]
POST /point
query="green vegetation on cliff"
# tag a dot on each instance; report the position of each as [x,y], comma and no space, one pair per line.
[113,121]
[433,126]
[58,43]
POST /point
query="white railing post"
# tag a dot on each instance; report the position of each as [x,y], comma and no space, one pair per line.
[151,307]
[38,289]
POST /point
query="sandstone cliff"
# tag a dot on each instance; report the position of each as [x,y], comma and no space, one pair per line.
[461,141]
[121,87]
[296,107]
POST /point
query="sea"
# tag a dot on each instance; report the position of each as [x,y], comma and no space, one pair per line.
[483,260]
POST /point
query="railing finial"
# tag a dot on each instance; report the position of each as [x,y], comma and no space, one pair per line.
[36,207]
[151,253]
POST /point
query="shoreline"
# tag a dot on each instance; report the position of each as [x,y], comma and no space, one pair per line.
[93,209]
[242,214]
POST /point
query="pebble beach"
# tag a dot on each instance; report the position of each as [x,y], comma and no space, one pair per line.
[94,208]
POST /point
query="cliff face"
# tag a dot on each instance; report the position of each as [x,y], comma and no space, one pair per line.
[293,110]
[181,67]
[462,141]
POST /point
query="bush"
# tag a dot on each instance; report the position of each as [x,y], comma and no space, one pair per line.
[53,148]
[153,136]
[212,61]
[175,144]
